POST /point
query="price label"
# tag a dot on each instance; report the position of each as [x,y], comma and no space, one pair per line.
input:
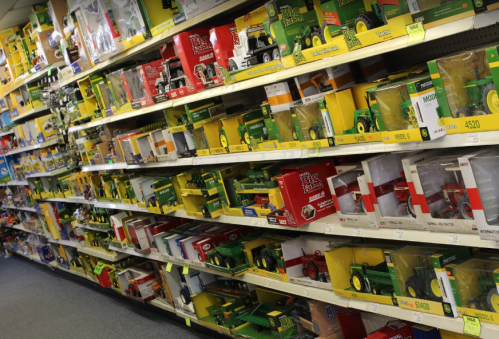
[399,234]
[357,232]
[49,72]
[472,138]
[269,283]
[314,152]
[494,243]
[416,32]
[373,307]
[417,317]
[306,292]
[472,326]
[453,239]
[329,229]
[188,321]
[186,269]
[366,147]
[415,145]
[169,267]
[110,162]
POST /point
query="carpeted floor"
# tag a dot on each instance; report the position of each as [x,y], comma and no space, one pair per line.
[38,304]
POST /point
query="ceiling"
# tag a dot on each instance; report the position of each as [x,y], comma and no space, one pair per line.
[15,12]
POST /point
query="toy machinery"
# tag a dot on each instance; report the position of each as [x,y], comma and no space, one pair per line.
[252,126]
[314,266]
[374,18]
[321,81]
[367,119]
[372,279]
[269,258]
[227,309]
[424,283]
[256,46]
[458,205]
[408,112]
[164,193]
[482,94]
[308,37]
[228,254]
[316,130]
[401,189]
[263,173]
[353,189]
[103,273]
[174,74]
[489,295]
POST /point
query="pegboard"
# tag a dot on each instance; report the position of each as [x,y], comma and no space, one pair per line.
[422,53]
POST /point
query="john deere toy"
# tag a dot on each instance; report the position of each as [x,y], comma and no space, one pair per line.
[372,279]
[263,173]
[374,18]
[489,296]
[482,96]
[368,119]
[270,258]
[251,126]
[316,130]
[424,283]
[226,309]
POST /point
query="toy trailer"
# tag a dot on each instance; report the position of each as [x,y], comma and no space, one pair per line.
[372,279]
[227,254]
[259,318]
[314,266]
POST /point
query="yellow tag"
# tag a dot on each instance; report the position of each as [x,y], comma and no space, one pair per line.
[188,321]
[314,153]
[186,269]
[416,32]
[472,326]
[169,267]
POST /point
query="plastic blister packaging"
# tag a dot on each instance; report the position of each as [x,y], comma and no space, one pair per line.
[129,18]
[285,126]
[135,84]
[106,95]
[467,82]
[485,171]
[476,285]
[118,88]
[200,139]
[395,107]
[98,28]
[310,121]
[443,187]
[348,192]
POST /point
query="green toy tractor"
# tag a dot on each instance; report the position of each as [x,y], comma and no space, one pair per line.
[408,111]
[424,283]
[372,279]
[374,18]
[270,258]
[489,295]
[368,119]
[483,96]
[227,254]
[316,130]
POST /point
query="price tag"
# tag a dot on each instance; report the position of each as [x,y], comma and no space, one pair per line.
[169,267]
[472,138]
[472,326]
[399,234]
[415,145]
[188,321]
[373,307]
[329,229]
[416,32]
[186,269]
[110,162]
[453,239]
[366,147]
[357,232]
[494,243]
[417,317]
[49,72]
[269,283]
[306,292]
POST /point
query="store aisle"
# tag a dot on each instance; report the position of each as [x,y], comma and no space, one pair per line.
[35,303]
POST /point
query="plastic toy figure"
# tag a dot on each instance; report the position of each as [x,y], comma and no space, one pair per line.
[314,266]
[372,279]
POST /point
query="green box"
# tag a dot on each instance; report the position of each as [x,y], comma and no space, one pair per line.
[432,13]
[202,110]
[338,13]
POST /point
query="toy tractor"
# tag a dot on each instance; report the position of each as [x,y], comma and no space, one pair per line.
[374,18]
[271,258]
[294,134]
[483,96]
[489,295]
[262,173]
[365,120]
[226,309]
[309,36]
[227,254]
[408,112]
[314,266]
[424,283]
[403,195]
[353,189]
[316,130]
[253,126]
[372,279]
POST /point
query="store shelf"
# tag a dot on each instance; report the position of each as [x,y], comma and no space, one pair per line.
[20,227]
[6,132]
[20,208]
[101,253]
[49,174]
[4,109]
[30,113]
[17,183]
[116,206]
[74,200]
[35,76]
[94,228]
[172,163]
[106,167]
[64,242]
[31,148]
[163,305]
[248,156]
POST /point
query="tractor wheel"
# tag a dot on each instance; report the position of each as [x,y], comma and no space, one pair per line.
[463,112]
[490,99]
[223,139]
[218,321]
[264,206]
[314,134]
[279,212]
[219,259]
[392,293]
[362,205]
[474,304]
[258,261]
[276,55]
[212,261]
[232,65]
[410,206]
[185,297]
[266,57]
[326,35]
[269,263]
[257,328]
[313,271]
[317,39]
[357,282]
[367,21]
[230,263]
[376,289]
[322,277]
[363,125]
[464,206]
[294,134]
[432,286]
[376,125]
[493,300]
[306,42]
[304,271]
[415,287]
[246,137]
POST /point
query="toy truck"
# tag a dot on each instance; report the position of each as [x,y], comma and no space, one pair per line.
[483,97]
[372,279]
[256,46]
[174,74]
[270,258]
[314,266]
[374,18]
[227,254]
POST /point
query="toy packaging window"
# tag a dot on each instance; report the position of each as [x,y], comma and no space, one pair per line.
[136,89]
[199,139]
[118,88]
[99,29]
[106,95]
[285,126]
[348,193]
[443,187]
[310,121]
[130,21]
[395,107]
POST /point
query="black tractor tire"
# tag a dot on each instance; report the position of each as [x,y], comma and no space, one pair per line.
[232,65]
[317,35]
[365,123]
[294,134]
[230,262]
[322,278]
[369,19]
[486,90]
[463,205]
[410,210]
[432,276]
[376,289]
[311,265]
[185,297]
[271,263]
[463,112]
[492,292]
[276,55]
[266,57]
[317,133]
[474,304]
[417,285]
[258,262]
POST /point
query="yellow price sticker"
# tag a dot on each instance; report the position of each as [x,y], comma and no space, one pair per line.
[472,326]
[169,267]
[186,269]
[188,321]
[416,32]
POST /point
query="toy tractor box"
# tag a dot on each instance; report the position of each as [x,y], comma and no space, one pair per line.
[361,272]
[138,283]
[194,115]
[118,91]
[408,109]
[134,85]
[223,39]
[212,239]
[202,206]
[256,52]
[442,195]
[109,106]
[305,260]
[305,193]
[153,80]
[420,278]
[162,145]
[131,23]
[394,200]
[220,311]
[168,194]
[478,170]
[270,318]
[354,115]
[206,139]
[163,290]
[352,199]
[474,285]
[465,85]
[158,17]
[433,14]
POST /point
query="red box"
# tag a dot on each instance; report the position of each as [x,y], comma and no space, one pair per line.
[223,39]
[305,192]
[153,77]
[392,330]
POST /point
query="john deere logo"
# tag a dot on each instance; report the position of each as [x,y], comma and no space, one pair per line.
[271,10]
[424,133]
[272,323]
[447,309]
[478,3]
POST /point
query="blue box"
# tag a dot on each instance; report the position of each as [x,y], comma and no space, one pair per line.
[425,332]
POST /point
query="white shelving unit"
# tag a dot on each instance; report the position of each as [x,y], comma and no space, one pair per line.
[101,253]
[33,147]
[49,174]
[21,228]
[30,113]
[11,131]
[64,242]
[20,208]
